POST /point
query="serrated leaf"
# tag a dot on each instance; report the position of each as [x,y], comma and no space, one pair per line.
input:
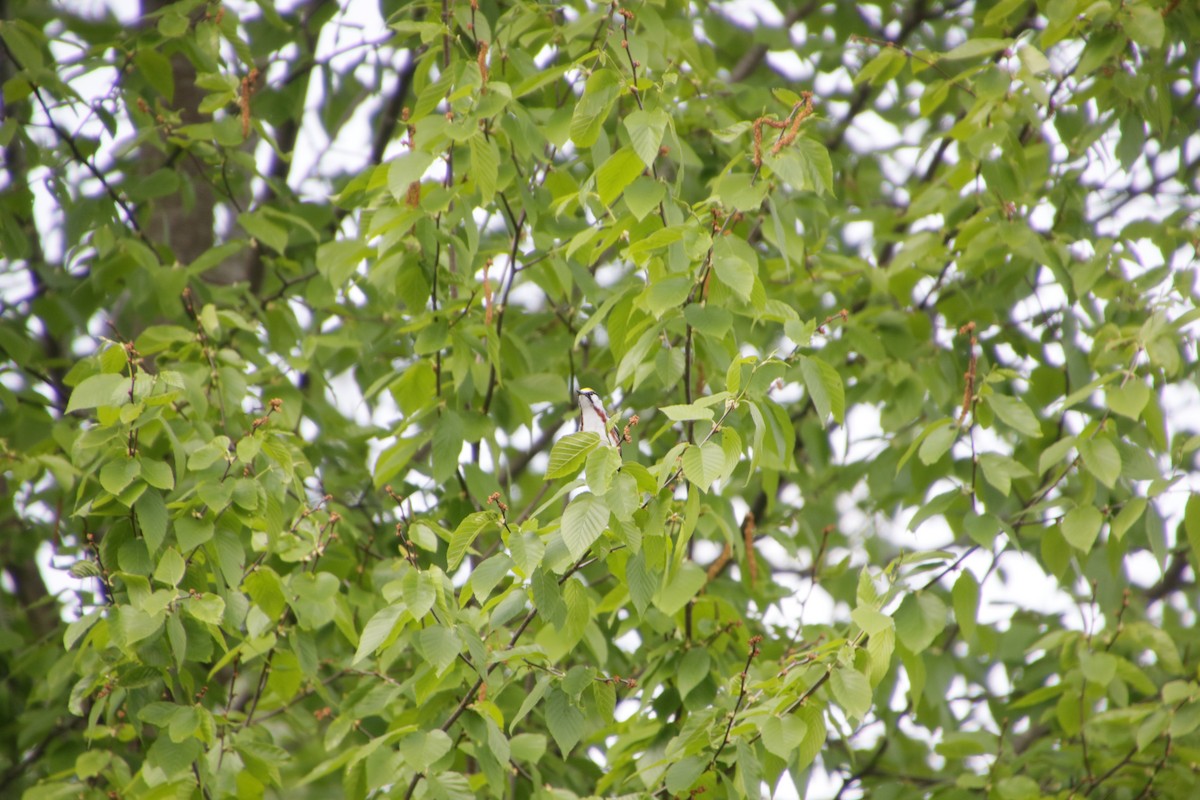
[377,629]
[667,294]
[919,620]
[464,535]
[646,129]
[1128,400]
[569,453]
[703,464]
[420,591]
[599,94]
[99,390]
[1081,526]
[852,691]
[157,473]
[643,196]
[693,669]
[405,169]
[782,735]
[1055,453]
[941,436]
[965,597]
[170,567]
[584,520]
[685,413]
[1130,513]
[488,573]
[564,720]
[602,466]
[264,230]
[116,475]
[1015,414]
[683,774]
[485,167]
[824,386]
[736,274]
[439,646]
[616,173]
[1101,458]
[447,446]
[191,532]
[974,48]
[641,581]
[421,749]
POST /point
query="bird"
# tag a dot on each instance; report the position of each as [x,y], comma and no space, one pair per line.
[592,417]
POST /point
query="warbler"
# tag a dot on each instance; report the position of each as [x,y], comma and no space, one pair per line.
[592,417]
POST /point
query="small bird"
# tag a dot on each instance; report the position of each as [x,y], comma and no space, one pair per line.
[593,418]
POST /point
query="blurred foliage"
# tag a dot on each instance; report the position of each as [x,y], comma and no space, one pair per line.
[901,295]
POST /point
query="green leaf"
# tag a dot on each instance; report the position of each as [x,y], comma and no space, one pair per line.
[941,436]
[1081,526]
[485,167]
[447,446]
[852,691]
[1015,414]
[919,620]
[703,464]
[99,390]
[264,230]
[569,454]
[170,567]
[685,413]
[157,473]
[642,582]
[682,587]
[646,129]
[782,735]
[736,274]
[420,591]
[172,24]
[1128,400]
[667,294]
[693,669]
[824,386]
[439,646]
[404,170]
[25,49]
[599,95]
[377,630]
[1055,453]
[136,624]
[683,774]
[564,720]
[116,475]
[464,536]
[882,68]
[974,48]
[616,173]
[1130,513]
[602,466]
[584,520]
[966,603]
[191,532]
[1191,521]
[643,196]
[206,607]
[421,749]
[488,573]
[1146,25]
[1000,471]
[1100,457]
